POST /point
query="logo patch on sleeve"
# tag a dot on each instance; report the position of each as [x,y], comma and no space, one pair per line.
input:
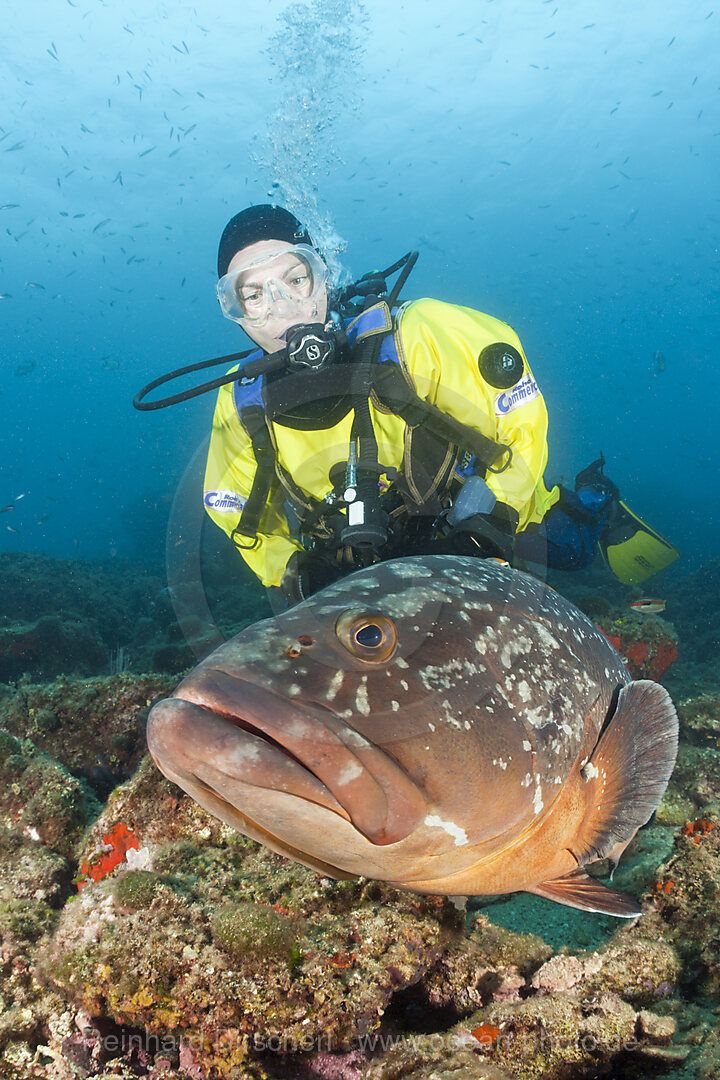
[224,502]
[524,391]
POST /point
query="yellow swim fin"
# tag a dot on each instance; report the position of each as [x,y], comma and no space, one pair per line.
[634,551]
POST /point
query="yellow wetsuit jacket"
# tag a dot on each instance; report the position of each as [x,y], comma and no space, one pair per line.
[437,346]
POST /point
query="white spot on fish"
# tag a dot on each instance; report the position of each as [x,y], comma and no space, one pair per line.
[351,771]
[589,771]
[458,834]
[431,726]
[394,706]
[294,690]
[361,698]
[537,718]
[526,745]
[524,691]
[401,662]
[436,676]
[546,638]
[537,798]
[414,570]
[244,752]
[335,684]
[403,684]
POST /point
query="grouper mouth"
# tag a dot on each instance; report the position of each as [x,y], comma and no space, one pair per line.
[226,731]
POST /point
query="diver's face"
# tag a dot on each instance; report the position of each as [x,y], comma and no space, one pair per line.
[286,273]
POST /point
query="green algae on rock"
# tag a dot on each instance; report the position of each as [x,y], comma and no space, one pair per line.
[255,930]
[135,890]
[695,783]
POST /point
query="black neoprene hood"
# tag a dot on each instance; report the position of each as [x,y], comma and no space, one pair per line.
[264,222]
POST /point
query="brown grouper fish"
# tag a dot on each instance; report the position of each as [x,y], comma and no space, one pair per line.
[445,724]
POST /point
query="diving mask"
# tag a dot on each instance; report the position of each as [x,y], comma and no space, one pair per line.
[282,284]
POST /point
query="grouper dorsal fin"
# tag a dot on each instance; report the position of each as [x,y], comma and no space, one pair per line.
[578,890]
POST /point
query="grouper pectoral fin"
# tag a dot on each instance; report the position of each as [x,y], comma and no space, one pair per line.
[578,890]
[622,784]
[628,771]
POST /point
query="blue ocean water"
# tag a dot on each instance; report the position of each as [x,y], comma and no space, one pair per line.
[555,163]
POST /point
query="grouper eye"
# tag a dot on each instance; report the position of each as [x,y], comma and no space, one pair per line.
[371,635]
[367,635]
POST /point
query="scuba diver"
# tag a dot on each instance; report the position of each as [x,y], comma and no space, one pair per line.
[360,429]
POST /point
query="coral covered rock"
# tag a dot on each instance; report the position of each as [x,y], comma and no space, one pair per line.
[197,934]
[542,1038]
[635,966]
[648,645]
[697,774]
[44,811]
[488,964]
[71,617]
[148,940]
[700,720]
[686,897]
[201,931]
[94,727]
[39,799]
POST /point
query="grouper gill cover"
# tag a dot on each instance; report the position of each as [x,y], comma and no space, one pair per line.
[445,724]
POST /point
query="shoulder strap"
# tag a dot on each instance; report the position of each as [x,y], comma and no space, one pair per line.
[253,419]
[395,394]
